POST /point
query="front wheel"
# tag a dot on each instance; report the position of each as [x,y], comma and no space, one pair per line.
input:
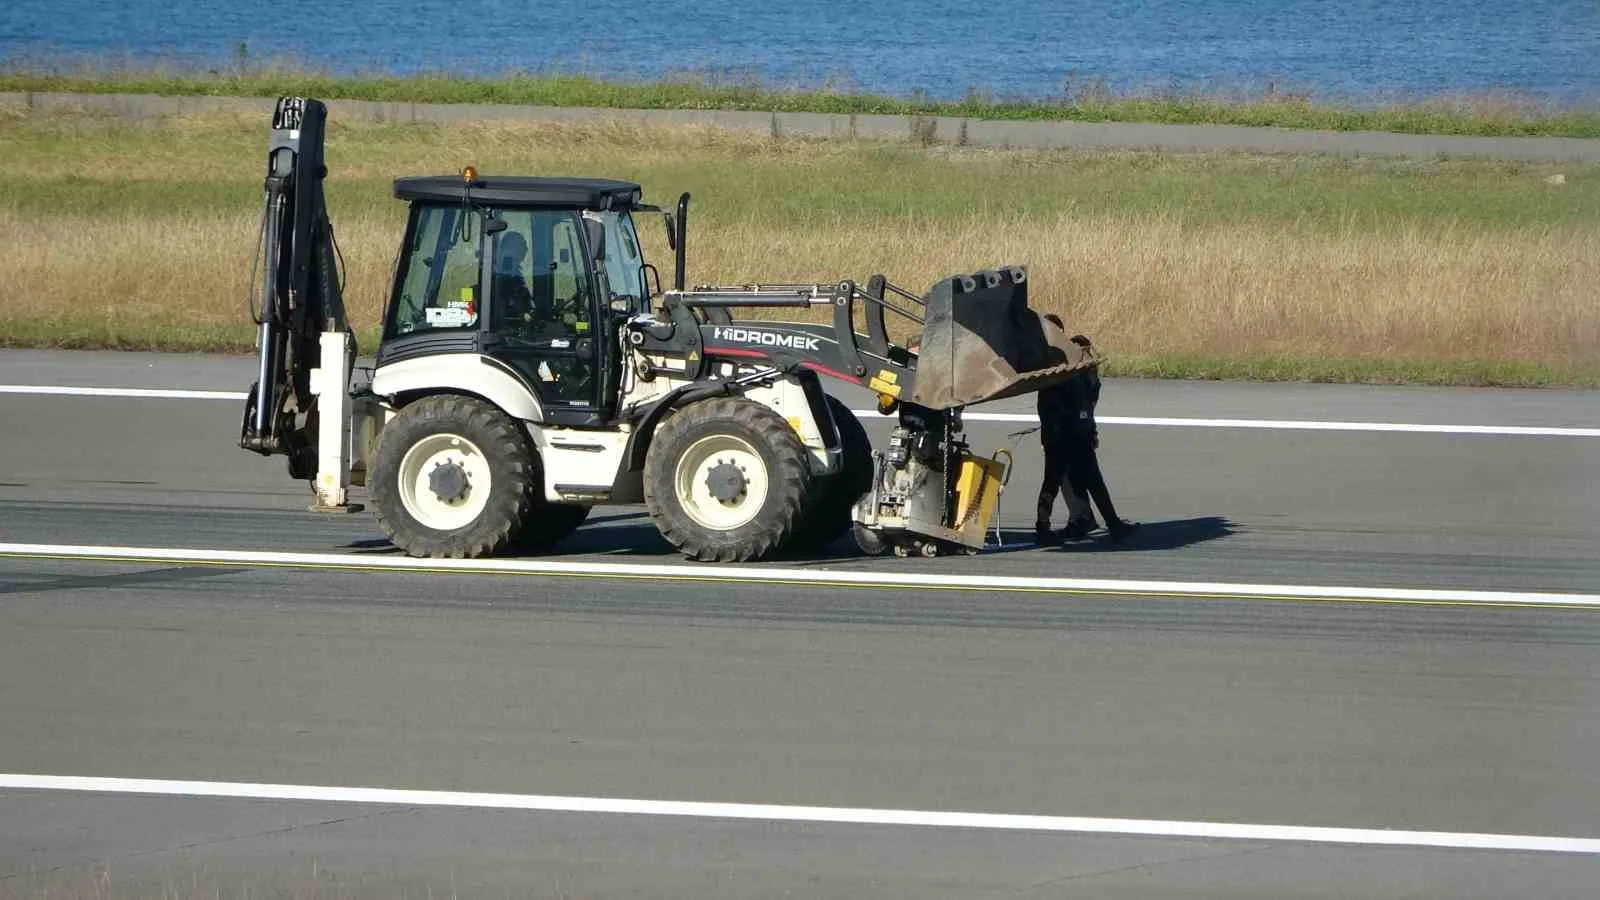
[452,477]
[726,479]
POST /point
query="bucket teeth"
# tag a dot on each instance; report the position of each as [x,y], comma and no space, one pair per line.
[981,342]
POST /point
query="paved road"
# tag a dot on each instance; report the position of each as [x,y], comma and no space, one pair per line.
[946,129]
[1435,718]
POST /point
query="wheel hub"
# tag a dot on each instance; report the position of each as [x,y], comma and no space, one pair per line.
[449,482]
[726,482]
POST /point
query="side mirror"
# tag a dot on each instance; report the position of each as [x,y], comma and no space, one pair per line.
[494,225]
[596,232]
[651,279]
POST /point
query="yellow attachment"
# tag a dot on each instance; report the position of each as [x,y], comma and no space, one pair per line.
[977,490]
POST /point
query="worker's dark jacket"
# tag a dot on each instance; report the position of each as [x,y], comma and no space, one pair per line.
[1066,411]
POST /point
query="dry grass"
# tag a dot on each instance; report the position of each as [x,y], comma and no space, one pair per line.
[1151,286]
[119,236]
[1141,285]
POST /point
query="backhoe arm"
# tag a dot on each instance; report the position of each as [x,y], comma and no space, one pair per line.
[301,296]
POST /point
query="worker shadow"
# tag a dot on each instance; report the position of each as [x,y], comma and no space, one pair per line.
[1170,534]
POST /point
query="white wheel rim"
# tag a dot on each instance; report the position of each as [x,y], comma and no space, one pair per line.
[694,470]
[417,494]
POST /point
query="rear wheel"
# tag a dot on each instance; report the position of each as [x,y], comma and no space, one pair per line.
[835,496]
[725,480]
[454,477]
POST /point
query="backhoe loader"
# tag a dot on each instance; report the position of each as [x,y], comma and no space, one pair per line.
[532,367]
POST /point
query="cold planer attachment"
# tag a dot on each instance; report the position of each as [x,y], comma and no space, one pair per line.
[979,342]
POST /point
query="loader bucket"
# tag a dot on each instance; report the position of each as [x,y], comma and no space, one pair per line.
[981,342]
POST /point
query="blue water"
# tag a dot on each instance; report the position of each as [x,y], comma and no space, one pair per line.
[1349,50]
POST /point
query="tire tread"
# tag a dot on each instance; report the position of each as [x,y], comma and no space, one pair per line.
[788,481]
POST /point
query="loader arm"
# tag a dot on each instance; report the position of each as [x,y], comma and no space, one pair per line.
[301,295]
[979,341]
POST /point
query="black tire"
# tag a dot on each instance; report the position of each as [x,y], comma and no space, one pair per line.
[507,456]
[547,525]
[769,438]
[835,496]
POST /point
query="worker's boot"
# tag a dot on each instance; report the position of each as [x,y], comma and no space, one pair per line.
[1119,529]
[1044,537]
[1078,529]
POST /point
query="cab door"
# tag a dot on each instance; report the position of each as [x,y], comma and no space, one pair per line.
[543,312]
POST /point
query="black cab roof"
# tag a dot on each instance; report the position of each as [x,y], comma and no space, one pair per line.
[506,190]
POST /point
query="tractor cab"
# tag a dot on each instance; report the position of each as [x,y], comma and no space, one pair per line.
[535,275]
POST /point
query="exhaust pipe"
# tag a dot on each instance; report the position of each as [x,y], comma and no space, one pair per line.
[682,224]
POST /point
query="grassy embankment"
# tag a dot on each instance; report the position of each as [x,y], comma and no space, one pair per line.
[119,235]
[1498,115]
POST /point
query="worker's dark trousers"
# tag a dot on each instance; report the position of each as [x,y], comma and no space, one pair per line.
[1055,483]
[1082,468]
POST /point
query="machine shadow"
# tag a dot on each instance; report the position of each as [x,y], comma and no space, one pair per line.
[625,534]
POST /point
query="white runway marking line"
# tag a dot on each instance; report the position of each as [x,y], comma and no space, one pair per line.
[139,393]
[1306,425]
[888,578]
[824,814]
[1012,418]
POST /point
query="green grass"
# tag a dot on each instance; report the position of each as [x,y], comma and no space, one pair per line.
[93,165]
[1486,115]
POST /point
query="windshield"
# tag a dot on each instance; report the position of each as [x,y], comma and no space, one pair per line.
[624,261]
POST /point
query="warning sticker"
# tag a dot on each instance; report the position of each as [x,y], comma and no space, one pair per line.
[449,317]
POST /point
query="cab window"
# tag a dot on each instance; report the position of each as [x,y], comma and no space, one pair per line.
[439,287]
[541,277]
[624,261]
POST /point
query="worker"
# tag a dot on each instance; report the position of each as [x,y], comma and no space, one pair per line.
[513,299]
[1058,407]
[1079,446]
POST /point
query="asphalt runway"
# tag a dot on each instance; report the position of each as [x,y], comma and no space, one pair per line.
[1374,716]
